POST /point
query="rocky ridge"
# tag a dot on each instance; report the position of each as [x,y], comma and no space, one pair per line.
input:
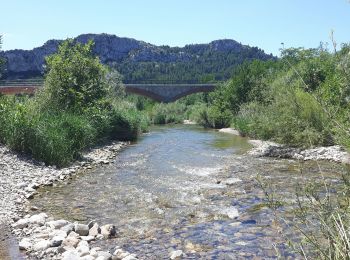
[114,49]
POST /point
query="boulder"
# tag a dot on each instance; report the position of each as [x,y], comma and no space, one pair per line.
[81,229]
[41,245]
[22,223]
[57,224]
[70,242]
[94,230]
[70,255]
[68,228]
[25,244]
[102,255]
[38,219]
[177,254]
[56,241]
[108,231]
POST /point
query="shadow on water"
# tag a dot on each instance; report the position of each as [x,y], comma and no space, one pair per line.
[8,245]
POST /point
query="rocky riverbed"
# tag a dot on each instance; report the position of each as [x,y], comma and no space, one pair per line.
[210,211]
[262,148]
[40,236]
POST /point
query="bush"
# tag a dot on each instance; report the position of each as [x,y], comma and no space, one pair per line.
[210,116]
[168,113]
[294,118]
[59,139]
[55,138]
[78,107]
[75,77]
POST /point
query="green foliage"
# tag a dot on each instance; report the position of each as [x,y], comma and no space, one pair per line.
[79,106]
[300,100]
[294,118]
[168,113]
[249,83]
[115,84]
[203,65]
[75,78]
[55,138]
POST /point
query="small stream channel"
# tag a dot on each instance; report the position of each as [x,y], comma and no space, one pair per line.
[182,188]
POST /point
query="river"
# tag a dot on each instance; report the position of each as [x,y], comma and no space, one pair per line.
[183,188]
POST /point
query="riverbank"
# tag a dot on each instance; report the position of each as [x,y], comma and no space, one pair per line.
[262,148]
[20,178]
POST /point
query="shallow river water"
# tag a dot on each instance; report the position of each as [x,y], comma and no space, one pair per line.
[183,188]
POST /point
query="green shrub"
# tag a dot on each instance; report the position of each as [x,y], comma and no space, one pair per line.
[78,107]
[210,116]
[168,113]
[125,124]
[75,78]
[294,118]
[59,139]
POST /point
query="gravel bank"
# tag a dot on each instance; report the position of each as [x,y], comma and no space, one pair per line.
[20,177]
[271,149]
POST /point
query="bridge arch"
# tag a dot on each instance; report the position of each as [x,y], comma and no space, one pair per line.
[167,92]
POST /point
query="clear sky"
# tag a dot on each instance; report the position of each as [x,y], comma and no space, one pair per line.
[26,24]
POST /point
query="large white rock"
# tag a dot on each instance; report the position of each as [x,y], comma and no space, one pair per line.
[94,230]
[70,242]
[176,254]
[71,255]
[230,212]
[22,223]
[87,257]
[38,219]
[58,232]
[25,244]
[130,257]
[102,255]
[57,224]
[41,245]
[108,231]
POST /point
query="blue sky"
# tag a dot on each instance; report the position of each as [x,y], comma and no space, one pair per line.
[264,23]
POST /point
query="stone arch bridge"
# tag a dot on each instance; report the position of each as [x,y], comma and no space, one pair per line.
[160,91]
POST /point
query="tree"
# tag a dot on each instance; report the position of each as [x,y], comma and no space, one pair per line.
[114,81]
[2,61]
[75,77]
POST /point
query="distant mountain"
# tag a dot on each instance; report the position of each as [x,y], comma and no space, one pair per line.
[141,61]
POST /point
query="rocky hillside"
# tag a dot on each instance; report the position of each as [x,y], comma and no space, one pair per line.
[138,60]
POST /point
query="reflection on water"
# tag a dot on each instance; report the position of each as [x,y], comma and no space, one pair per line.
[179,188]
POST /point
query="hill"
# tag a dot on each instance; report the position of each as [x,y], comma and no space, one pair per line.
[141,61]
